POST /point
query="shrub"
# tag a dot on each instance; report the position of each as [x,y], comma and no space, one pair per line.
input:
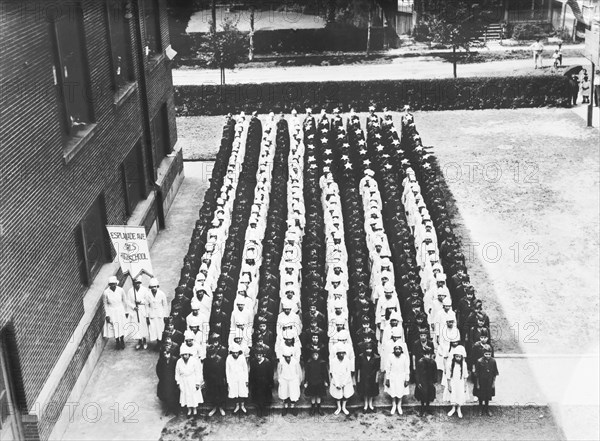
[429,94]
[529,31]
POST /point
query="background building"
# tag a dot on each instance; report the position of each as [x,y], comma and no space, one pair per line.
[87,136]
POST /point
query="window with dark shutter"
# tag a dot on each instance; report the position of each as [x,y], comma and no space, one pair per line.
[152,24]
[91,242]
[133,178]
[71,75]
[119,13]
[160,133]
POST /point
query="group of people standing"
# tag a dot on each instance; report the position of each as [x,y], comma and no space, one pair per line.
[302,317]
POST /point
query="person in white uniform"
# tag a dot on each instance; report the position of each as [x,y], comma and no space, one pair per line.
[236,373]
[397,375]
[113,298]
[188,375]
[136,313]
[158,309]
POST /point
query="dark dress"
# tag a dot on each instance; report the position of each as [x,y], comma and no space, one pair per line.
[315,376]
[486,370]
[167,389]
[368,368]
[214,379]
[425,376]
[261,382]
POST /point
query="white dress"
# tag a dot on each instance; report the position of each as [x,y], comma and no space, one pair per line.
[397,372]
[341,377]
[157,311]
[114,307]
[236,371]
[458,383]
[137,327]
[188,375]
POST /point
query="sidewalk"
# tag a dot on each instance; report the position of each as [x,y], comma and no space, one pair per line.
[120,400]
[401,68]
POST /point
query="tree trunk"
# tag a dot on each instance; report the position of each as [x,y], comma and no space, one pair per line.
[454,60]
[251,43]
[532,9]
[222,76]
[369,26]
[330,14]
[213,10]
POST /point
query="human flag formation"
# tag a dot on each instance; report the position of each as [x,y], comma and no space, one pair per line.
[131,245]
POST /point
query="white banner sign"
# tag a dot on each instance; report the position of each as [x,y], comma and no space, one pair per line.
[131,245]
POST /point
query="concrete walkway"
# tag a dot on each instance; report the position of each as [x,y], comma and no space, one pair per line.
[401,68]
[120,400]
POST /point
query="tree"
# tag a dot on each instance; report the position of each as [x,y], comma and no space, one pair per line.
[370,25]
[226,48]
[458,23]
[251,34]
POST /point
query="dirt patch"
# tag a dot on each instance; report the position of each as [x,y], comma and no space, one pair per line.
[200,136]
[506,423]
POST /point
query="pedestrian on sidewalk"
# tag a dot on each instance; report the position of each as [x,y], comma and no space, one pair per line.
[537,50]
[397,376]
[188,375]
[167,389]
[456,380]
[158,310]
[597,88]
[585,90]
[136,313]
[369,365]
[113,298]
[485,387]
[236,372]
[315,381]
[425,379]
[341,385]
[290,378]
[574,90]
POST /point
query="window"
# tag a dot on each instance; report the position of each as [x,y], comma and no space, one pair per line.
[10,425]
[70,69]
[133,178]
[118,14]
[152,22]
[91,240]
[160,133]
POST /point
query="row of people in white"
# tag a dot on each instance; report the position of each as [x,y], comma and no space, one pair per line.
[242,317]
[289,323]
[206,280]
[210,270]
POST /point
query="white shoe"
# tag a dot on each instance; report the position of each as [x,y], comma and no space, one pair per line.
[459,413]
[345,411]
[399,410]
[452,412]
[337,411]
[221,411]
[393,410]
[212,412]
[244,409]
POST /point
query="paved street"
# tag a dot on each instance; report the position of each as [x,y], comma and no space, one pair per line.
[402,68]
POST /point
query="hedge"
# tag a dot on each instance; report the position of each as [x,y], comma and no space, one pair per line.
[336,38]
[430,94]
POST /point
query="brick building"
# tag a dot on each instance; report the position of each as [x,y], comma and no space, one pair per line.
[88,138]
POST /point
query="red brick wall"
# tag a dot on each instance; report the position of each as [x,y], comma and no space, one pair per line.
[42,198]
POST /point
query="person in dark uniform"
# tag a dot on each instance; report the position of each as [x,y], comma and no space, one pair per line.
[315,382]
[216,384]
[167,389]
[368,366]
[171,332]
[485,386]
[425,378]
[261,382]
